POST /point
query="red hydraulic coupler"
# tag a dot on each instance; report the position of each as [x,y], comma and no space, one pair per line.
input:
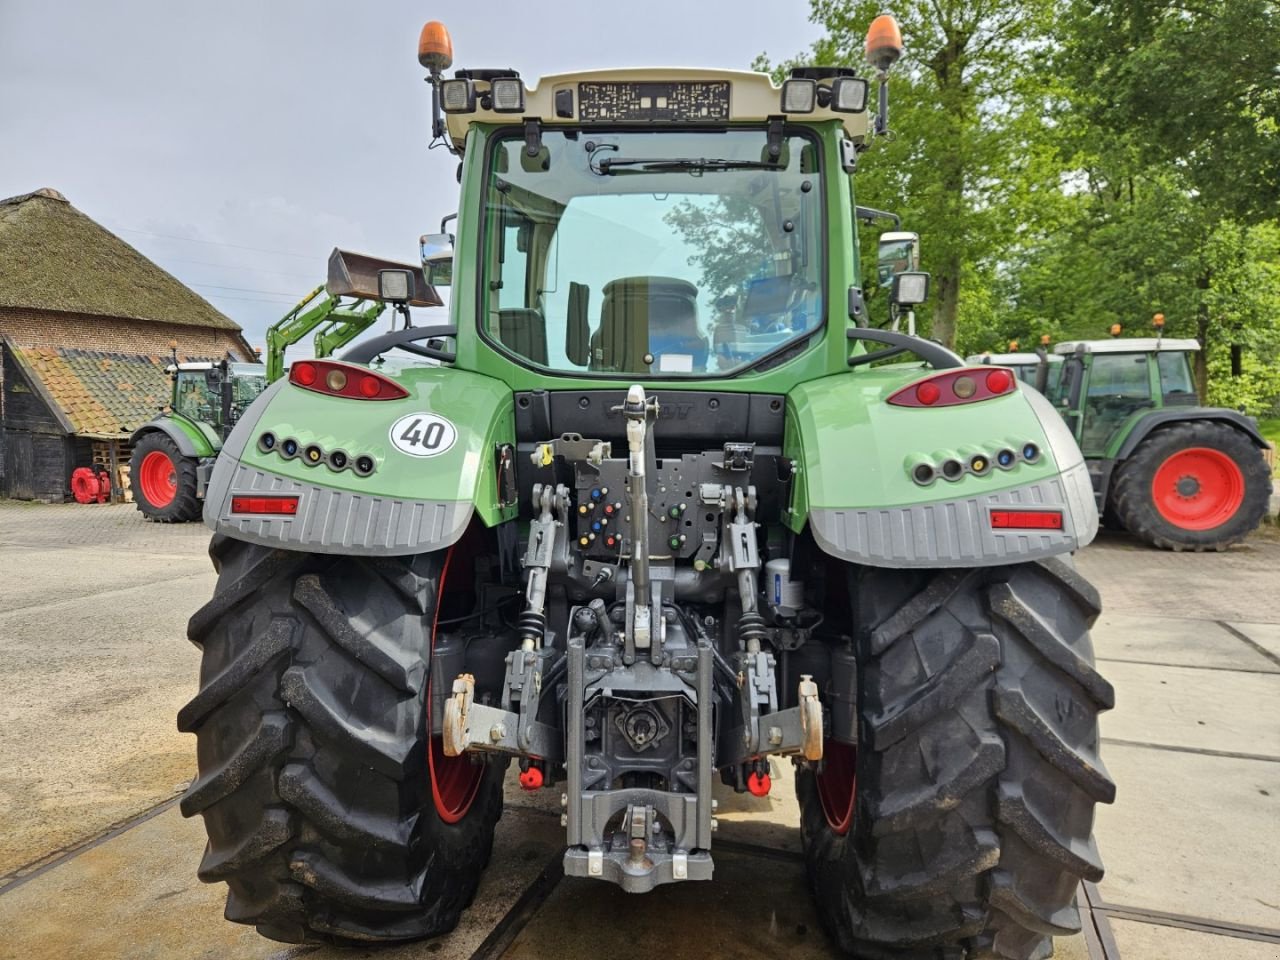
[759,784]
[531,779]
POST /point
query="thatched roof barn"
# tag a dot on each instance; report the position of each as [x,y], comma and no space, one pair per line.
[85,326]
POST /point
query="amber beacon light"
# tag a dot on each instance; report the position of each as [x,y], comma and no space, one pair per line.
[884,42]
[435,47]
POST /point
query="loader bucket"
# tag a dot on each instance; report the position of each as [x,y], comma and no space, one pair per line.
[356,275]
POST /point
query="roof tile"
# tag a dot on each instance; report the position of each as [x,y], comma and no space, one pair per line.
[104,395]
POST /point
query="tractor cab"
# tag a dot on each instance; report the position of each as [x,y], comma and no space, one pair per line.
[214,395]
[1105,386]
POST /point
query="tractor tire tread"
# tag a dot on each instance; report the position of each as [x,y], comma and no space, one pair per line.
[948,857]
[312,745]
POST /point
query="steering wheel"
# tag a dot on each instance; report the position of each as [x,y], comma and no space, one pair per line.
[404,340]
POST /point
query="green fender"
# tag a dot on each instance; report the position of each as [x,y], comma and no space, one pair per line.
[435,460]
[854,454]
[193,439]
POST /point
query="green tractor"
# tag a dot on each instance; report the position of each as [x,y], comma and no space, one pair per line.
[173,455]
[654,510]
[1176,474]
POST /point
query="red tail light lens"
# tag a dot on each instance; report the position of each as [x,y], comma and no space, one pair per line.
[344,380]
[1026,519]
[277,506]
[953,387]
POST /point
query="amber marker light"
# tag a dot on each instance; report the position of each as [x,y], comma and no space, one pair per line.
[884,42]
[1115,329]
[435,47]
[1158,321]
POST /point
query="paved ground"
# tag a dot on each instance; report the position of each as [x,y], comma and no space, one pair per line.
[95,861]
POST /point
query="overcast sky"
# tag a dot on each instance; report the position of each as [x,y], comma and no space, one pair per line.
[272,132]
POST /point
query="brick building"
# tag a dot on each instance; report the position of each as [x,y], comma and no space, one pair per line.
[85,327]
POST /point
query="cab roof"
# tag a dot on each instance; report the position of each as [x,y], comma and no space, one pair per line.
[753,97]
[1127,345]
[1008,358]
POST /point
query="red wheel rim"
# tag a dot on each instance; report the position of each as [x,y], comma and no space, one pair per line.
[838,784]
[158,477]
[455,781]
[1198,488]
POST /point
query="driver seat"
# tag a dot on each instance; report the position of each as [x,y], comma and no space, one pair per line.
[642,315]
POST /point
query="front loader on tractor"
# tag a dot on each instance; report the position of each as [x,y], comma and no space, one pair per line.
[654,508]
[173,455]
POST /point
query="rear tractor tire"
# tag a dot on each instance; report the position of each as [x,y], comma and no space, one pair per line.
[332,813]
[1198,485]
[163,480]
[959,826]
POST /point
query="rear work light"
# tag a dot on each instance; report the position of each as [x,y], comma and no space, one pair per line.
[344,380]
[273,506]
[953,387]
[1026,519]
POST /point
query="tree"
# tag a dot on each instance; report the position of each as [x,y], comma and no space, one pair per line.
[1171,124]
[966,102]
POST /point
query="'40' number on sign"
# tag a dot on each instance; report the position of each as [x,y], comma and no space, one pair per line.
[423,434]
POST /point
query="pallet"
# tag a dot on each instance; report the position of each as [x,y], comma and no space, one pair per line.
[121,479]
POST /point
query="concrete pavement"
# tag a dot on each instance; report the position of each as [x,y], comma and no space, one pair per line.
[93,605]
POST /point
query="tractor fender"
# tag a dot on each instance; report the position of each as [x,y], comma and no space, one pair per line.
[191,441]
[1158,418]
[855,455]
[416,499]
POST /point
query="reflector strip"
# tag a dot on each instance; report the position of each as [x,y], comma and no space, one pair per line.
[279,506]
[1026,519]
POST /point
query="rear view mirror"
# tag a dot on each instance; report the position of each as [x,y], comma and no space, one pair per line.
[437,258]
[898,252]
[910,289]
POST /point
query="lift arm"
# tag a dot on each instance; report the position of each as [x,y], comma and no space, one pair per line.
[341,322]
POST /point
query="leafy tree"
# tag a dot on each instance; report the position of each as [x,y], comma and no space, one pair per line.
[965,100]
[1171,128]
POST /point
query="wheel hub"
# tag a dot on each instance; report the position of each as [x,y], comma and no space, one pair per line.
[837,784]
[455,781]
[1198,488]
[158,478]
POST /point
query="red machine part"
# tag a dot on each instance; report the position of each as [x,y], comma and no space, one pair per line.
[759,784]
[531,779]
[90,486]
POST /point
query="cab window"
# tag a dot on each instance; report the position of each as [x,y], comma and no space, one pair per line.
[1176,384]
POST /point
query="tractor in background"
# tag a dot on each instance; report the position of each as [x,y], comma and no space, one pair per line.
[173,455]
[1174,473]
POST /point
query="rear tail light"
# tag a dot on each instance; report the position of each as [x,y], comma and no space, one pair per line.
[1026,519]
[967,385]
[344,380]
[273,506]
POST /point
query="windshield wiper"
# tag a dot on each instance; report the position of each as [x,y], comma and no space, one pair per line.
[679,164]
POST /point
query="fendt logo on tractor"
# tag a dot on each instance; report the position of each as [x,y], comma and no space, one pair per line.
[656,507]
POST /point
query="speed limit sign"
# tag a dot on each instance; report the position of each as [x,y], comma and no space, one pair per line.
[423,434]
